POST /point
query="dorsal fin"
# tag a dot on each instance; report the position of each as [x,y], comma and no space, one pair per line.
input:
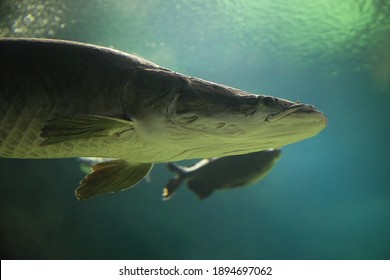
[201,188]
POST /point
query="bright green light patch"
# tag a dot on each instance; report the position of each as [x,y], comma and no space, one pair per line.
[305,28]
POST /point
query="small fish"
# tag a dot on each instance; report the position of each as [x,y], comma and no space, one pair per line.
[209,175]
[62,99]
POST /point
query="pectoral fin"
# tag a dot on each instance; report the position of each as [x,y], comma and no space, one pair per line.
[86,126]
[111,176]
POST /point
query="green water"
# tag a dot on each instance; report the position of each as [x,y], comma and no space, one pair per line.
[327,198]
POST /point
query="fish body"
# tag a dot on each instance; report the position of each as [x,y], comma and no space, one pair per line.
[229,172]
[43,80]
[63,99]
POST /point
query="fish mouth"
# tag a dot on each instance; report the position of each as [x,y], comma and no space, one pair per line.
[301,108]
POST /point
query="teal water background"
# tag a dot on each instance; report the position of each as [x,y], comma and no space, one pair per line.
[327,198]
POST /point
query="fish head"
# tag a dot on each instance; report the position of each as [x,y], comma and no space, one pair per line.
[183,117]
[245,121]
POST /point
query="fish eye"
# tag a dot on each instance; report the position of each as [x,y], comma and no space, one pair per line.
[268,100]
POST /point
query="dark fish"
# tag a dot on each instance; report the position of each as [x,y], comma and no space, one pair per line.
[63,99]
[209,175]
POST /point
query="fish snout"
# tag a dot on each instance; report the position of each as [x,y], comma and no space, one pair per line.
[306,111]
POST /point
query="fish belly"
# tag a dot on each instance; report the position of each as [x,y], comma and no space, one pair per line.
[21,125]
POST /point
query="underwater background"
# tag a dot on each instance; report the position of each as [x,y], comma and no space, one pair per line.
[327,198]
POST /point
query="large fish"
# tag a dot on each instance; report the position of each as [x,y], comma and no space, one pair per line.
[229,172]
[63,99]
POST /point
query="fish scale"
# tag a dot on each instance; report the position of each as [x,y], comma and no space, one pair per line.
[21,136]
[25,108]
